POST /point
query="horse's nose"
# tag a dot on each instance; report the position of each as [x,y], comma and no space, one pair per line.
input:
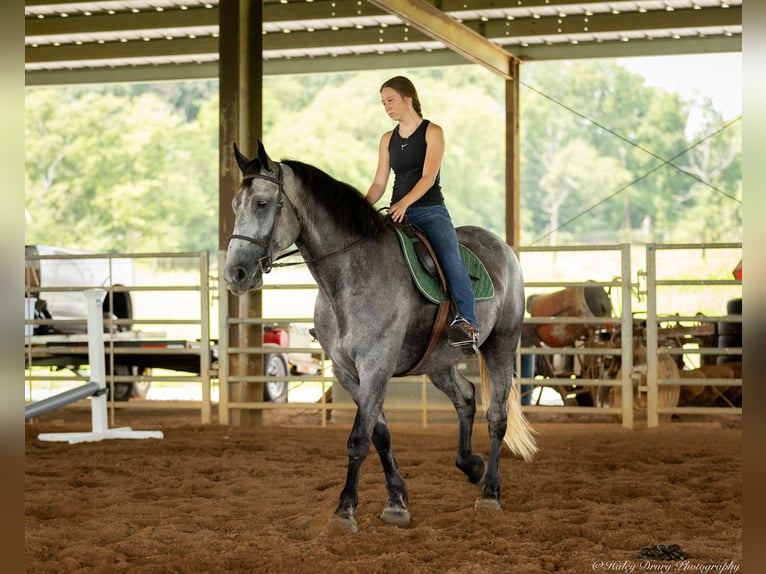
[234,274]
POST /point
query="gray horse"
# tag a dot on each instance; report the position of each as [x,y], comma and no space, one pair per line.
[372,321]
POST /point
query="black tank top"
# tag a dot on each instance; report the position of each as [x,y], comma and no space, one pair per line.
[407,157]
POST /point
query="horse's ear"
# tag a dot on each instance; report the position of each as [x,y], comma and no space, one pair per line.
[264,158]
[242,161]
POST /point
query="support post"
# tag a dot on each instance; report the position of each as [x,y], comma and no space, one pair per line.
[241,71]
[512,158]
[652,392]
[626,360]
[95,301]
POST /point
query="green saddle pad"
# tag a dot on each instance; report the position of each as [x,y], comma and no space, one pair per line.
[429,286]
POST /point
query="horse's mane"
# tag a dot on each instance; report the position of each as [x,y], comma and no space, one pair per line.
[346,204]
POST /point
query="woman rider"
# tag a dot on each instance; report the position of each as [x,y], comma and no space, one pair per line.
[414,151]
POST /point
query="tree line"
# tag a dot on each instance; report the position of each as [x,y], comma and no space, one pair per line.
[604,158]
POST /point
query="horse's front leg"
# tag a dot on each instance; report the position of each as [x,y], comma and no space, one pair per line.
[358,447]
[368,425]
[395,511]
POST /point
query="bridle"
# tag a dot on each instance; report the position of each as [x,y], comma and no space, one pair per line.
[266,263]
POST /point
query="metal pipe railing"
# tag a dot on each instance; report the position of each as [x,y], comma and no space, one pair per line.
[654,349]
[38,346]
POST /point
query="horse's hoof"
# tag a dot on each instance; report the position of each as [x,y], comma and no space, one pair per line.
[343,523]
[475,470]
[396,516]
[491,503]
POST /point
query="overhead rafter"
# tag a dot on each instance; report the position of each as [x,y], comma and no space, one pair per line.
[456,36]
[70,41]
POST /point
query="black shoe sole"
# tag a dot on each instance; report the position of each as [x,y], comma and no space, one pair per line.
[469,350]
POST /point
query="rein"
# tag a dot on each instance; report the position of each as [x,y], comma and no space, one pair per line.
[287,254]
[266,262]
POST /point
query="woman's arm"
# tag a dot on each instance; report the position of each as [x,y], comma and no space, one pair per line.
[378,186]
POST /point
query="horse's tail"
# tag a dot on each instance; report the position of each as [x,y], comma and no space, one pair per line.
[519,435]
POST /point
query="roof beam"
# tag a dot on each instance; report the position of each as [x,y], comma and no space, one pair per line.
[319,10]
[345,37]
[623,22]
[345,9]
[121,50]
[350,34]
[462,39]
[122,22]
[331,64]
[630,49]
[500,30]
[461,5]
[158,47]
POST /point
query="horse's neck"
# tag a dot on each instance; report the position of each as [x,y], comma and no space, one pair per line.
[330,251]
[321,238]
[341,265]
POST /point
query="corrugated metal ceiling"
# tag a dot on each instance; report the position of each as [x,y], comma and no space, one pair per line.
[133,40]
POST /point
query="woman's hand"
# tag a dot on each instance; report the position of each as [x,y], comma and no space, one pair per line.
[397,211]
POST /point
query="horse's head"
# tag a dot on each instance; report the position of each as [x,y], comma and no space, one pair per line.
[264,222]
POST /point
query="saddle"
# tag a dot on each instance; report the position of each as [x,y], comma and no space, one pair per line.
[430,280]
[423,266]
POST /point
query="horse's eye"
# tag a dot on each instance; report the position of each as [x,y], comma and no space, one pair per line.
[261,203]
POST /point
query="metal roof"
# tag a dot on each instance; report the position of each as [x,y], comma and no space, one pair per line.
[73,41]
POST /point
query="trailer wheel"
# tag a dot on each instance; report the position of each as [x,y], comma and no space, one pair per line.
[120,306]
[275,365]
[668,395]
[122,391]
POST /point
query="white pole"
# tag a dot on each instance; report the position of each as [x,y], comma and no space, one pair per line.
[100,431]
[95,301]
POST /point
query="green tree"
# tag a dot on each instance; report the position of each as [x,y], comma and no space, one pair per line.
[575,171]
[711,206]
[106,172]
[337,131]
[638,128]
[135,167]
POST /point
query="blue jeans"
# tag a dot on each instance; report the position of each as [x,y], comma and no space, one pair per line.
[437,225]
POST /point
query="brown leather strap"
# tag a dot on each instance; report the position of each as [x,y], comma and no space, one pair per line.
[442,313]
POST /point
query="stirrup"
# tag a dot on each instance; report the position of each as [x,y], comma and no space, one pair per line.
[461,333]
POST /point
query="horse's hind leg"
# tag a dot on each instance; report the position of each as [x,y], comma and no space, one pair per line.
[395,511]
[462,394]
[497,353]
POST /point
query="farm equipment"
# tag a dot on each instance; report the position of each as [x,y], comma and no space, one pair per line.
[568,373]
[588,301]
